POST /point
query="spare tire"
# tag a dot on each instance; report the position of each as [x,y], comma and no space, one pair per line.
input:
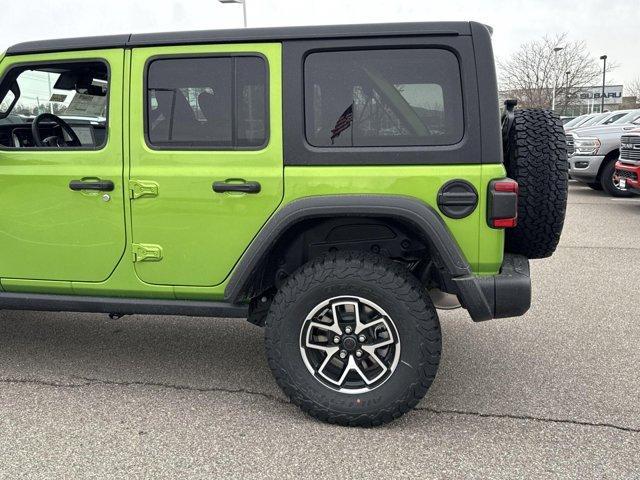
[536,157]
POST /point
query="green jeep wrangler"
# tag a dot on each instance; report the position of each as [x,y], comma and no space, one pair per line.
[333,184]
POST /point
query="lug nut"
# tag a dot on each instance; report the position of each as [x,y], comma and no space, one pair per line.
[336,339]
[343,354]
[362,338]
[358,353]
[347,329]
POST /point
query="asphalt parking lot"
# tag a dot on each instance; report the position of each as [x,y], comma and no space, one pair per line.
[554,393]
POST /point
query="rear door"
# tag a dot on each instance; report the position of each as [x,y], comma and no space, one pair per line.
[206,166]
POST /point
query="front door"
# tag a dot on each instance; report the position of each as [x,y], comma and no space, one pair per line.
[206,157]
[61,189]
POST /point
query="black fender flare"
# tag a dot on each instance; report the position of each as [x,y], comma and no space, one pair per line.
[420,215]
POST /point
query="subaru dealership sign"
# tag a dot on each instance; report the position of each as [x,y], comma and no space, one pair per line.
[593,95]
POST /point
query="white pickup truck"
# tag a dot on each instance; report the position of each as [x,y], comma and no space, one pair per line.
[593,152]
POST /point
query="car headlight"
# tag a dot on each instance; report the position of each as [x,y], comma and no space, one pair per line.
[586,146]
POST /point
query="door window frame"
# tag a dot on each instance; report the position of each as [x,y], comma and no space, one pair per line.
[298,151]
[204,148]
[20,65]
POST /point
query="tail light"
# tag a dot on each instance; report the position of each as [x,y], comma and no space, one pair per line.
[503,203]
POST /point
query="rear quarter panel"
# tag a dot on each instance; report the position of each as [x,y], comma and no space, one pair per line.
[481,245]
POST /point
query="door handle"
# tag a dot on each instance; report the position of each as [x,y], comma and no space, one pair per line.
[245,187]
[102,185]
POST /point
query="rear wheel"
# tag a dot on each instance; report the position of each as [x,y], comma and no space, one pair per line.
[610,184]
[353,339]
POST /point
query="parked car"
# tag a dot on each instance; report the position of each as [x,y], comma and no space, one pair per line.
[606,118]
[627,171]
[318,181]
[593,152]
[566,119]
[576,122]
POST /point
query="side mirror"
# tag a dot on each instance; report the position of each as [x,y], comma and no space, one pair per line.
[9,100]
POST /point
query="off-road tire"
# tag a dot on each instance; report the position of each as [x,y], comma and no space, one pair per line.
[606,179]
[537,160]
[382,281]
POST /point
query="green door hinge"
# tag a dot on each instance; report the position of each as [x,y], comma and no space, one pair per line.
[142,188]
[144,252]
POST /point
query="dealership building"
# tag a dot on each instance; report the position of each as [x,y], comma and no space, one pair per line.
[587,100]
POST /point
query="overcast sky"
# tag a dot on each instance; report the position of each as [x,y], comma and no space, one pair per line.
[608,26]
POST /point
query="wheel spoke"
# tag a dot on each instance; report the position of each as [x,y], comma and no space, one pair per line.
[355,305]
[357,331]
[372,354]
[352,365]
[380,321]
[331,351]
[375,346]
[334,327]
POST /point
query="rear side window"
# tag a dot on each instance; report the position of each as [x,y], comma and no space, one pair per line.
[378,98]
[207,102]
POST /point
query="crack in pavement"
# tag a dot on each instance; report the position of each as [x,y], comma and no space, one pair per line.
[569,421]
[595,247]
[89,381]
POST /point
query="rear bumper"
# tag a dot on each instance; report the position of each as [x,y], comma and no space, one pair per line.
[585,168]
[507,294]
[631,175]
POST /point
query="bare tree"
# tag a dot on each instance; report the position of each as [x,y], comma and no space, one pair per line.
[532,72]
[632,89]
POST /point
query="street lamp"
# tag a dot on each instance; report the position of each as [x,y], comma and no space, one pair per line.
[566,90]
[244,8]
[555,80]
[604,76]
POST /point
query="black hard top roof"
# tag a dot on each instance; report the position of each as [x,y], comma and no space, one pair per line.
[242,35]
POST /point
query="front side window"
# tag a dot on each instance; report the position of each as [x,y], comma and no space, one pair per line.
[60,105]
[373,98]
[207,102]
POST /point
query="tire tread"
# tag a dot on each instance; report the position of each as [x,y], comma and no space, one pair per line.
[538,162]
[396,280]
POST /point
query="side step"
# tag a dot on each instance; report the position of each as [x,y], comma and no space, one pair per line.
[122,306]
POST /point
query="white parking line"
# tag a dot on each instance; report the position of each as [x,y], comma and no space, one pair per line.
[630,200]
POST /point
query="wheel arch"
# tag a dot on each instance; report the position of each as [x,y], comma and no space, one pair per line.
[615,153]
[410,213]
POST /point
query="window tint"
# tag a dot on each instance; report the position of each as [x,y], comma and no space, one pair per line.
[216,102]
[399,97]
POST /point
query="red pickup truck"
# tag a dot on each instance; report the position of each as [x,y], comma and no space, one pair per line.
[627,174]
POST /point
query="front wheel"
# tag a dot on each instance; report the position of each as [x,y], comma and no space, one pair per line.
[609,183]
[353,339]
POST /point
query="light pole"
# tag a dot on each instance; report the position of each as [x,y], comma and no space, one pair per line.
[566,91]
[555,80]
[244,8]
[604,76]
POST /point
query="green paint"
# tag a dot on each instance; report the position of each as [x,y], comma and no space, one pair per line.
[54,240]
[202,233]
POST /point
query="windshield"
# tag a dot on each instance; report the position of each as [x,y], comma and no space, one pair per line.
[575,121]
[613,117]
[628,118]
[584,120]
[594,120]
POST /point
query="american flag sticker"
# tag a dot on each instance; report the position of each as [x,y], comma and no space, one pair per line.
[343,123]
